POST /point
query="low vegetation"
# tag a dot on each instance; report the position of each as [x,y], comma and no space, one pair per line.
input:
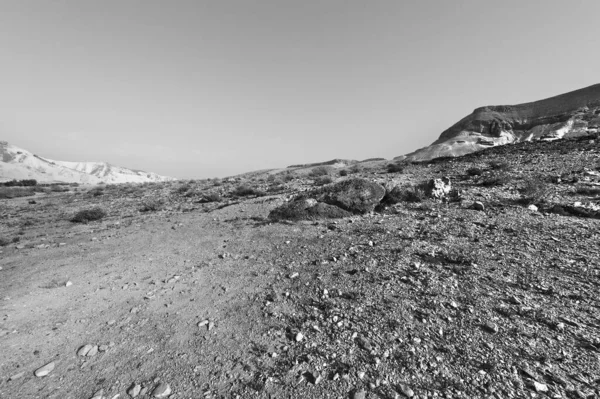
[88,215]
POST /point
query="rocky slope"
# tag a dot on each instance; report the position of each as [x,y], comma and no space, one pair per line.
[188,289]
[17,163]
[570,114]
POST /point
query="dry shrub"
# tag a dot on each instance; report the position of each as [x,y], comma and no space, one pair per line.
[88,215]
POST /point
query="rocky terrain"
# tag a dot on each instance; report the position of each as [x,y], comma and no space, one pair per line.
[566,115]
[19,164]
[470,277]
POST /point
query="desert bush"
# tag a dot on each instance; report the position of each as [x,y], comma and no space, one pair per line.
[499,165]
[535,190]
[96,191]
[343,172]
[395,168]
[88,215]
[415,193]
[151,206]
[355,169]
[16,192]
[59,189]
[474,171]
[496,180]
[287,177]
[393,196]
[319,171]
[321,181]
[276,188]
[585,190]
[211,197]
[245,191]
[4,241]
[183,189]
[20,183]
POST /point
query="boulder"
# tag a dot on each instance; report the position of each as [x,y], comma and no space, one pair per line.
[353,196]
[358,196]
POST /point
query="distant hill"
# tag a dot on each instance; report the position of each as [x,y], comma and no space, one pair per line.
[17,163]
[565,115]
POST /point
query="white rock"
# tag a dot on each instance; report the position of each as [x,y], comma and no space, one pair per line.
[162,390]
[93,351]
[84,350]
[98,395]
[134,390]
[202,323]
[299,337]
[539,387]
[532,208]
[44,370]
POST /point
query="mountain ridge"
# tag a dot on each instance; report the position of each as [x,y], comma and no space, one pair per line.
[565,115]
[18,163]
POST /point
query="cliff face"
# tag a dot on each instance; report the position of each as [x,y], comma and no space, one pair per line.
[569,114]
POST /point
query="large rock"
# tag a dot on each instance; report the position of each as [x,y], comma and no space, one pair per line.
[353,196]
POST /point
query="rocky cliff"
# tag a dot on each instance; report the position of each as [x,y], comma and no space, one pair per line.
[569,114]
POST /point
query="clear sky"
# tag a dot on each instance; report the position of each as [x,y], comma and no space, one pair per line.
[198,88]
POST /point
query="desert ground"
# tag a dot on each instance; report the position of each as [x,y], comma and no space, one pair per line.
[189,289]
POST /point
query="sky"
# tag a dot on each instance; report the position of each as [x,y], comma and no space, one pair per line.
[197,89]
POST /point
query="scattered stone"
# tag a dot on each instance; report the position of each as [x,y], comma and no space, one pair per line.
[491,327]
[111,322]
[203,323]
[68,283]
[478,206]
[211,325]
[93,351]
[83,351]
[98,395]
[134,390]
[103,348]
[539,387]
[162,390]
[299,337]
[405,390]
[364,343]
[44,370]
[17,376]
[358,394]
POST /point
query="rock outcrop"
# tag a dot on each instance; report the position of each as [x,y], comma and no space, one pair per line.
[348,197]
[570,114]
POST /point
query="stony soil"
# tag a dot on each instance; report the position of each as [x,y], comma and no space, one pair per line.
[192,298]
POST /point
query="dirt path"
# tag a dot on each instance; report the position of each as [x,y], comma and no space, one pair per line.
[141,290]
